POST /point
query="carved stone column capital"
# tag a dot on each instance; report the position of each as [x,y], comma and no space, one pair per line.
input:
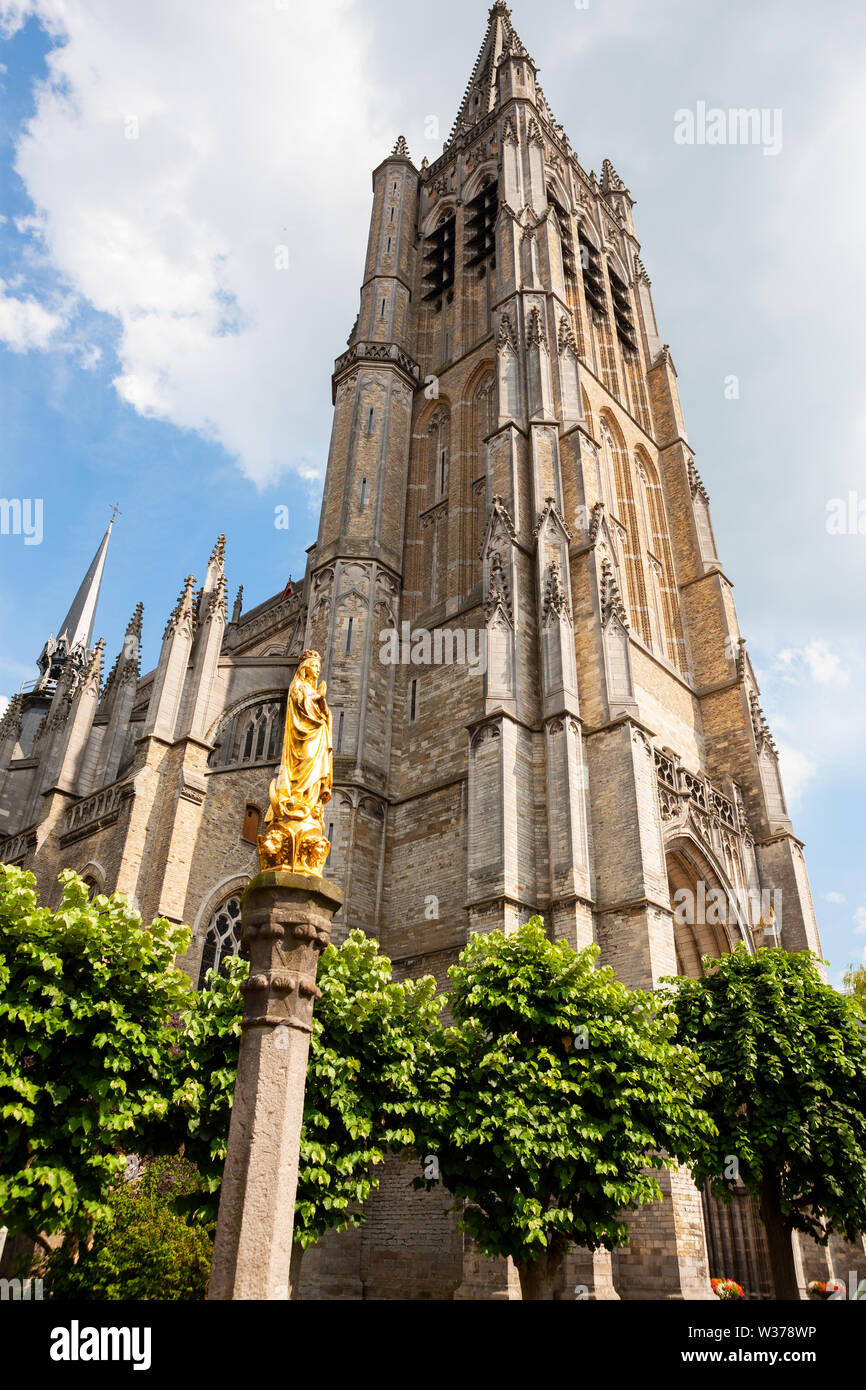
[286,925]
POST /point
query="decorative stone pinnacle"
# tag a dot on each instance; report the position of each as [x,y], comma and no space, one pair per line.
[401,149]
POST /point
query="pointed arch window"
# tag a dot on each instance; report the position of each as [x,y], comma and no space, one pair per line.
[250,735]
[625,511]
[222,938]
[659,545]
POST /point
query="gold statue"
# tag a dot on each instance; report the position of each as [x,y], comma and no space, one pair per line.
[294,837]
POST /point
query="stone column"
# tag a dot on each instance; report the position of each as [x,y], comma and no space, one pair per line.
[286,925]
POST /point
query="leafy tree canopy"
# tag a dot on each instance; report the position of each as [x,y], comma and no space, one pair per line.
[789,1099]
[557,1091]
[86,998]
[372,1038]
[854,982]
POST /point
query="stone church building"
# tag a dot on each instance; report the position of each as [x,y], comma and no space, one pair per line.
[542,701]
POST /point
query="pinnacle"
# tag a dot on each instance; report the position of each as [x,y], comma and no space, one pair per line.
[185,595]
[400,150]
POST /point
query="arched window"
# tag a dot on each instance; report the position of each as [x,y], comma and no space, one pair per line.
[659,547]
[483,423]
[616,460]
[250,735]
[438,435]
[222,938]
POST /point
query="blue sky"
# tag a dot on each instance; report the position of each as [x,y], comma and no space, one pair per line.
[154,158]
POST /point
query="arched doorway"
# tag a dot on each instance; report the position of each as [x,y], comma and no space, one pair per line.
[708,922]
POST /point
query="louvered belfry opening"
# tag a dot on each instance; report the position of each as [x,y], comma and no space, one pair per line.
[593,276]
[481,213]
[439,259]
[622,314]
[565,236]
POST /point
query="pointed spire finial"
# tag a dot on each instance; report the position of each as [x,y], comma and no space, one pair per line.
[239,603]
[401,149]
[183,607]
[135,620]
[76,630]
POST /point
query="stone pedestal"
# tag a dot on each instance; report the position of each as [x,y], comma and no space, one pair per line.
[286,925]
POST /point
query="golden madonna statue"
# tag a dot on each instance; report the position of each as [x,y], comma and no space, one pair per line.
[294,835]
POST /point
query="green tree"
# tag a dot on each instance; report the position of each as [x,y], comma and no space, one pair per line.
[789,1099]
[371,1045]
[557,1090]
[86,998]
[854,981]
[145,1250]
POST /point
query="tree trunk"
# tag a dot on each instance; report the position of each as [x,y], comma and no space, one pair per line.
[295,1269]
[538,1277]
[779,1242]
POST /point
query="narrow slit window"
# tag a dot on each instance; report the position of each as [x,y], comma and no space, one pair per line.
[392,214]
[331,831]
[388,247]
[349,635]
[363,494]
[370,420]
[443,468]
[382,310]
[413,699]
[340,733]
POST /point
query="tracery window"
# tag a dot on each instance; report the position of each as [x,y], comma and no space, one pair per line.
[617,464]
[222,938]
[659,547]
[250,735]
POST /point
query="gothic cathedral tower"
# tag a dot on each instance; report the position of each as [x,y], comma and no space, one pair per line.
[542,700]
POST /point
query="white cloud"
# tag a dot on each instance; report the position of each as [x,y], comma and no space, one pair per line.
[833,897]
[25,323]
[797,770]
[816,660]
[166,161]
[4,705]
[859,920]
[90,356]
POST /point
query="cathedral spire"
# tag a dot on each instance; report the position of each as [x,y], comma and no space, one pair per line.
[483,93]
[480,96]
[76,630]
